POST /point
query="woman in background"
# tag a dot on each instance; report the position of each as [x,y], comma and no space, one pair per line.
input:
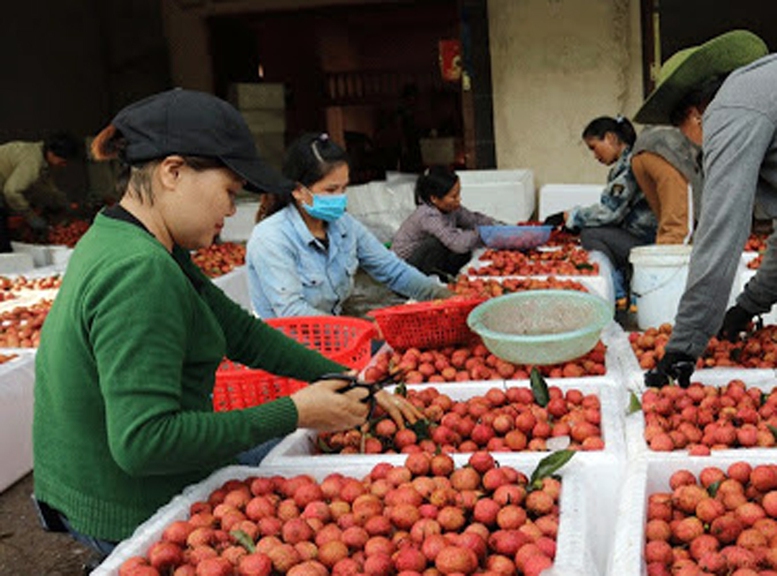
[316,247]
[622,219]
[439,236]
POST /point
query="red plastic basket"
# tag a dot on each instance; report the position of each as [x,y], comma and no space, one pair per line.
[341,339]
[433,324]
[240,387]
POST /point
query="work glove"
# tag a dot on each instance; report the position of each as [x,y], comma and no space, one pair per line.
[674,367]
[734,323]
[555,220]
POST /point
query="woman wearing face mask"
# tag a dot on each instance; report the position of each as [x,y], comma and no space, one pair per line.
[316,247]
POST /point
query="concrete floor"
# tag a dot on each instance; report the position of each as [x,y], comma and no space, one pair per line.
[25,548]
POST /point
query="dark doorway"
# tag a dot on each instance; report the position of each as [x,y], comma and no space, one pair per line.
[365,73]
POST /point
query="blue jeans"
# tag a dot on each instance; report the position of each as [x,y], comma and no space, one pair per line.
[255,455]
[102,547]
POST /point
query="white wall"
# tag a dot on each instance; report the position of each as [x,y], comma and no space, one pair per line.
[556,65]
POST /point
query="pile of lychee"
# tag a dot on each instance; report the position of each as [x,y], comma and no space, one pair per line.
[723,523]
[425,517]
[473,363]
[701,417]
[758,350]
[499,420]
[490,287]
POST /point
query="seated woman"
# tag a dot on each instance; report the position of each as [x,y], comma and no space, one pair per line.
[622,219]
[303,257]
[439,236]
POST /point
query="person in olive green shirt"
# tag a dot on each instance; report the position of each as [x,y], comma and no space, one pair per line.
[123,417]
[27,183]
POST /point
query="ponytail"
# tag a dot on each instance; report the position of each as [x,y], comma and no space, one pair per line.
[620,126]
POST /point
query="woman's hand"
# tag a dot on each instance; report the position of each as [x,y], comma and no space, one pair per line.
[398,408]
[320,406]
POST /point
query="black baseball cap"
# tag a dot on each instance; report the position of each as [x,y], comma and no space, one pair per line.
[192,123]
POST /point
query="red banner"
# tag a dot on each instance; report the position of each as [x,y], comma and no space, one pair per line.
[450,60]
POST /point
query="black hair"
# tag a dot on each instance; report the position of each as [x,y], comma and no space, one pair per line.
[307,160]
[311,157]
[620,126]
[434,182]
[699,97]
[63,144]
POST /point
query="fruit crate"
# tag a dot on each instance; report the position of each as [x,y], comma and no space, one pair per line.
[341,339]
[645,476]
[635,423]
[578,518]
[300,447]
[436,323]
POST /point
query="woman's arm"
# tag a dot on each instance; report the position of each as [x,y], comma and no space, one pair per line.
[388,268]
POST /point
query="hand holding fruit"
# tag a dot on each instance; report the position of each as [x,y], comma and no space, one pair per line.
[673,367]
[320,406]
[734,323]
[398,408]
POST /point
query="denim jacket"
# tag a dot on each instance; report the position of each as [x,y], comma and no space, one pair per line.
[622,204]
[291,273]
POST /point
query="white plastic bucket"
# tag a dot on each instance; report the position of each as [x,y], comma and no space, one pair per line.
[658,281]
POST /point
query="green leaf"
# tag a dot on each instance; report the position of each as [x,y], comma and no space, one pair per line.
[421,429]
[244,540]
[634,404]
[539,387]
[401,389]
[773,430]
[712,489]
[549,466]
[323,446]
[584,266]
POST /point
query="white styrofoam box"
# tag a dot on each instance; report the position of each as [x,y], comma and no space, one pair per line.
[16,262]
[235,285]
[17,380]
[298,448]
[507,195]
[633,374]
[562,197]
[743,278]
[578,518]
[650,475]
[41,253]
[612,336]
[764,380]
[60,255]
[238,227]
[249,96]
[381,207]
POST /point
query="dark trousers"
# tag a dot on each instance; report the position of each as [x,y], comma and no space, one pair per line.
[433,257]
[615,243]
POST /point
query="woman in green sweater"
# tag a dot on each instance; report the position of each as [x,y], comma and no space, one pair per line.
[128,354]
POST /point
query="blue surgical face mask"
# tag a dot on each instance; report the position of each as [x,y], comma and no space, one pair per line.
[327,207]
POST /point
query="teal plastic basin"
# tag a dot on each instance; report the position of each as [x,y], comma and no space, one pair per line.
[541,326]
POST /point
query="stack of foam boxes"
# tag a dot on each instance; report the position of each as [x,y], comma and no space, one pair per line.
[263,108]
